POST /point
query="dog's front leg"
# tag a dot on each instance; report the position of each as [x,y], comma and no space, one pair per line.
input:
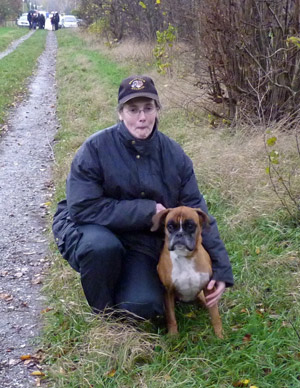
[215,317]
[170,312]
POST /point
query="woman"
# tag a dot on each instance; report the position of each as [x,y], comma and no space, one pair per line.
[120,178]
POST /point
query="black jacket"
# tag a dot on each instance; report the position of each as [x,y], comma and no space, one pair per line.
[116,180]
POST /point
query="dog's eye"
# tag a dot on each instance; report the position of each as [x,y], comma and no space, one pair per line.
[171,227]
[189,226]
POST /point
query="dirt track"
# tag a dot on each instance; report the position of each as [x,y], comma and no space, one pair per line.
[26,159]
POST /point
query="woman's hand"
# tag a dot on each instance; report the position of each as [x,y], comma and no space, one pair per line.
[159,207]
[215,296]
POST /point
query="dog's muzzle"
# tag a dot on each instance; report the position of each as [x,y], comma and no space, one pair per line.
[181,241]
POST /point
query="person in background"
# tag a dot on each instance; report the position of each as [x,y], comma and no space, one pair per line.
[119,178]
[56,20]
[52,19]
[41,21]
[35,20]
[29,18]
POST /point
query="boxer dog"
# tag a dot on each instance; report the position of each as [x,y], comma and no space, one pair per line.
[184,266]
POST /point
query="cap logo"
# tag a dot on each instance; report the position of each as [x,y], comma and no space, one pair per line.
[137,84]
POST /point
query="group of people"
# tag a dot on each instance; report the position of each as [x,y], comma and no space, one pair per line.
[38,20]
[119,179]
[35,20]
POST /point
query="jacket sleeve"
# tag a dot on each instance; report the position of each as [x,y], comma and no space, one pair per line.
[211,240]
[87,202]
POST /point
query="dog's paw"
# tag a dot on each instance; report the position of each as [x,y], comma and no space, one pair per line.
[172,330]
[219,334]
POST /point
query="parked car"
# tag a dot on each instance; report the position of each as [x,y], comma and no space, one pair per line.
[22,21]
[68,21]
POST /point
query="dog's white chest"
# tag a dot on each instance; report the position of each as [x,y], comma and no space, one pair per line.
[187,281]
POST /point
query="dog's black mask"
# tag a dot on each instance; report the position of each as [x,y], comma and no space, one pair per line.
[182,235]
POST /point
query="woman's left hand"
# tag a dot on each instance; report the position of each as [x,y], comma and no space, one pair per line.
[215,296]
[159,207]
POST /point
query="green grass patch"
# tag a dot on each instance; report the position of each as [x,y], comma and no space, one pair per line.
[87,98]
[9,34]
[260,314]
[16,67]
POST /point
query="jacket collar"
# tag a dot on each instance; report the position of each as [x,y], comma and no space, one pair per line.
[143,147]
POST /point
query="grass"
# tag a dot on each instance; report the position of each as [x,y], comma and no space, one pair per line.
[9,34]
[260,314]
[15,69]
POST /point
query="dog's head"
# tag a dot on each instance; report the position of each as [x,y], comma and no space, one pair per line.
[182,225]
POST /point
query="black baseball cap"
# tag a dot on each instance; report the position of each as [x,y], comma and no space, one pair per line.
[137,86]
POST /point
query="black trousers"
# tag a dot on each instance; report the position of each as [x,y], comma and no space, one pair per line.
[113,277]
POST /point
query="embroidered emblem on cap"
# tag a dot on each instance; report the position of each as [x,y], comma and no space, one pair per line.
[137,84]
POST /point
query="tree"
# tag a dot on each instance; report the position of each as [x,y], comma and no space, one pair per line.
[125,18]
[246,53]
[9,9]
[253,59]
[66,6]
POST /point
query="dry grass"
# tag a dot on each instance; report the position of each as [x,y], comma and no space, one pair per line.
[132,50]
[105,347]
[123,344]
[105,340]
[235,167]
[234,164]
[178,91]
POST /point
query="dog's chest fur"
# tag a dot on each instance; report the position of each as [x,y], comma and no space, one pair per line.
[187,281]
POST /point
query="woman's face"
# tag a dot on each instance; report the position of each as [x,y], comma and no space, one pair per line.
[139,116]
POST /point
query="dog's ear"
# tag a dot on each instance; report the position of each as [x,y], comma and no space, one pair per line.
[159,219]
[203,217]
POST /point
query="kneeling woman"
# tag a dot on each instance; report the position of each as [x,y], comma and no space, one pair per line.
[120,177]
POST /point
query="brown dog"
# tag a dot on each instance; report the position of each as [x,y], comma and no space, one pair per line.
[184,266]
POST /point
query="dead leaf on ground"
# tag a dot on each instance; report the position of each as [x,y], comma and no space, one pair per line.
[25,357]
[111,373]
[286,324]
[46,310]
[190,315]
[6,297]
[247,338]
[267,371]
[37,373]
[274,316]
[29,363]
[37,280]
[236,327]
[241,383]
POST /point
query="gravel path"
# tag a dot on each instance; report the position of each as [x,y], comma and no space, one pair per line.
[26,159]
